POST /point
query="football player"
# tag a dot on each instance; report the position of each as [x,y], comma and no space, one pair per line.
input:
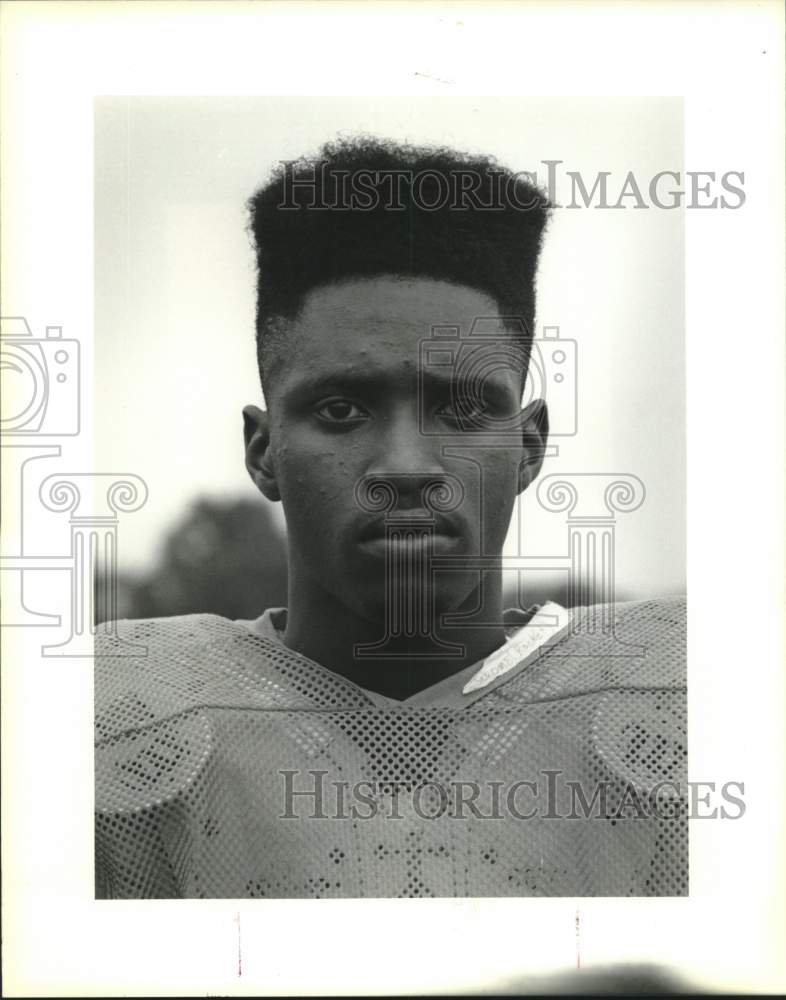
[395,730]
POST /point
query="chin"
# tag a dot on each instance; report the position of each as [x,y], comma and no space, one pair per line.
[433,603]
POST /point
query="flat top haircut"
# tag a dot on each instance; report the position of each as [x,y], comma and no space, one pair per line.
[365,207]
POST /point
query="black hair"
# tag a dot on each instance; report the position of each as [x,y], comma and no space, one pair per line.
[365,207]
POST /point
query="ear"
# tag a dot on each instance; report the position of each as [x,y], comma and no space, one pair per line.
[259,461]
[534,436]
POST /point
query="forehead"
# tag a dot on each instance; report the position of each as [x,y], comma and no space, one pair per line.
[381,324]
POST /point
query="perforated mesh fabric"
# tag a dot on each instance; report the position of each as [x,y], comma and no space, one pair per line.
[193,739]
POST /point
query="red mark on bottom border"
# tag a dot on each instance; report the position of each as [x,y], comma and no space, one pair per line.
[578,942]
[239,952]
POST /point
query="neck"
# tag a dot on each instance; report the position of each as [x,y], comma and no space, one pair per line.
[324,630]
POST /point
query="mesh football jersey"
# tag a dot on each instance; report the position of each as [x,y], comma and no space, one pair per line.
[229,766]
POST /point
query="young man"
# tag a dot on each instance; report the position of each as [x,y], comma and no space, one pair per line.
[394,731]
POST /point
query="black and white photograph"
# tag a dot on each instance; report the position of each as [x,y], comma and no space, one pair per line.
[369,672]
[388,502]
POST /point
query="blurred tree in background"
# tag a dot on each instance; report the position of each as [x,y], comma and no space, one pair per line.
[224,557]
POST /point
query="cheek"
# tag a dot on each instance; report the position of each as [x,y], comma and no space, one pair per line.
[316,481]
[499,486]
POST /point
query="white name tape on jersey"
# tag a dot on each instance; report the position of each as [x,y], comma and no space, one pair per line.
[543,625]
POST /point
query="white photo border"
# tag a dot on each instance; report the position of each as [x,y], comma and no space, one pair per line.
[726,61]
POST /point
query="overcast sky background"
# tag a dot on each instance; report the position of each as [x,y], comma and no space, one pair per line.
[174,295]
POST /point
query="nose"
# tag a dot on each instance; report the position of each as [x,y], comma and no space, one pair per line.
[408,466]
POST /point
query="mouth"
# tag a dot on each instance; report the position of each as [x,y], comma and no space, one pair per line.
[418,546]
[409,534]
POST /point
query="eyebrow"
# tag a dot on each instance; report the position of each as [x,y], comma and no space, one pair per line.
[375,380]
[369,379]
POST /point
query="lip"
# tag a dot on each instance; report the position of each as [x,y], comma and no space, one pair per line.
[438,543]
[440,524]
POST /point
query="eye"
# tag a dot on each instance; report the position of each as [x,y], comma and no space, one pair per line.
[341,411]
[464,411]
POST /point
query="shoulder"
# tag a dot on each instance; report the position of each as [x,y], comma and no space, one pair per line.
[668,611]
[616,647]
[646,630]
[112,638]
[618,673]
[150,669]
[128,648]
